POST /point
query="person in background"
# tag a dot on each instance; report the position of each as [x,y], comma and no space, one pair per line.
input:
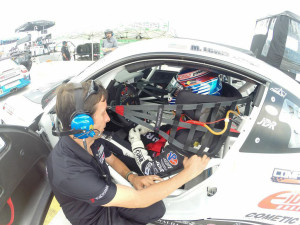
[80,178]
[65,52]
[110,43]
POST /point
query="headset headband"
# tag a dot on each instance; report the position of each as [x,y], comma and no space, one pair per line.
[78,95]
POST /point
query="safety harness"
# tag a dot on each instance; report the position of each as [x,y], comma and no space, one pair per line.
[159,114]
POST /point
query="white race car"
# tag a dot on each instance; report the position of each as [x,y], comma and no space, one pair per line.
[254,174]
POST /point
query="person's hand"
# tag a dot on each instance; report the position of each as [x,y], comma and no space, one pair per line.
[141,182]
[195,165]
[141,129]
[134,136]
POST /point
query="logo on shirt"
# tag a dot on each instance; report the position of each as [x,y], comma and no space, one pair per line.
[101,195]
[172,158]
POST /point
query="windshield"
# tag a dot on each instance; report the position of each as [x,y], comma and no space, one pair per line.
[291,57]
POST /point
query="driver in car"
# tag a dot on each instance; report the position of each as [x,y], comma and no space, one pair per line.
[166,159]
[79,175]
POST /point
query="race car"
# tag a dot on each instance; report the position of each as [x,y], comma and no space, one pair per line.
[12,76]
[251,134]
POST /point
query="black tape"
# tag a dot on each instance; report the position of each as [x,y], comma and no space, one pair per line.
[159,115]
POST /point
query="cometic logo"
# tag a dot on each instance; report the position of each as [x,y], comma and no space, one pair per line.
[284,200]
[286,176]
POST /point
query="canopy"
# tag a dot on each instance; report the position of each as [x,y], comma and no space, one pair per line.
[285,13]
[35,26]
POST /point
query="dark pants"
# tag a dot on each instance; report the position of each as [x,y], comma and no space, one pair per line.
[125,216]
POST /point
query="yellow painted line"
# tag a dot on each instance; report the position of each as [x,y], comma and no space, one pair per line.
[53,210]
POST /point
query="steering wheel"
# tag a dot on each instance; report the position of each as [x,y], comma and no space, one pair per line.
[126,94]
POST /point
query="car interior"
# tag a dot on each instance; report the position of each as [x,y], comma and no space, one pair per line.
[143,90]
[143,87]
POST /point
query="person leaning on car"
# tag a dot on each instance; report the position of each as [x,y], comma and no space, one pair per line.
[110,43]
[65,52]
[81,181]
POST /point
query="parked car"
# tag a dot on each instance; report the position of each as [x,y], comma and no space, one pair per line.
[25,108]
[253,174]
[12,76]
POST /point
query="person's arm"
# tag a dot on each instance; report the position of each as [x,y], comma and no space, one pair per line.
[140,153]
[130,198]
[139,182]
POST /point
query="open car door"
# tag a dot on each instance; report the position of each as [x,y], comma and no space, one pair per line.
[25,194]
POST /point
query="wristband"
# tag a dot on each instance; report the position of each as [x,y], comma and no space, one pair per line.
[127,175]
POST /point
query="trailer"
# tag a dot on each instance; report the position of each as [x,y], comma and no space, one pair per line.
[277,42]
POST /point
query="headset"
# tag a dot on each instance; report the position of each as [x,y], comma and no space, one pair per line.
[82,124]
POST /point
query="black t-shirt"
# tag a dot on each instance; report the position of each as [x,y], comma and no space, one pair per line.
[65,50]
[77,180]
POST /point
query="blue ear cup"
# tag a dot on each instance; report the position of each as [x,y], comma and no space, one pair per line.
[83,122]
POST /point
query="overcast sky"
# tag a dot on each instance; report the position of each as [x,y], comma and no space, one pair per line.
[225,21]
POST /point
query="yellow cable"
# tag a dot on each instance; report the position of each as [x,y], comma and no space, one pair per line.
[237,109]
[226,123]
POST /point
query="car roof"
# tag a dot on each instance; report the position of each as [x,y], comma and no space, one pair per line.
[173,46]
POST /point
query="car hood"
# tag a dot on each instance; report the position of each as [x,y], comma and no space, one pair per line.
[19,110]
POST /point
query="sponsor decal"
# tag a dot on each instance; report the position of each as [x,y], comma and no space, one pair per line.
[267,123]
[193,75]
[138,156]
[209,50]
[147,168]
[273,218]
[167,163]
[286,176]
[152,137]
[159,166]
[285,200]
[279,91]
[163,165]
[172,158]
